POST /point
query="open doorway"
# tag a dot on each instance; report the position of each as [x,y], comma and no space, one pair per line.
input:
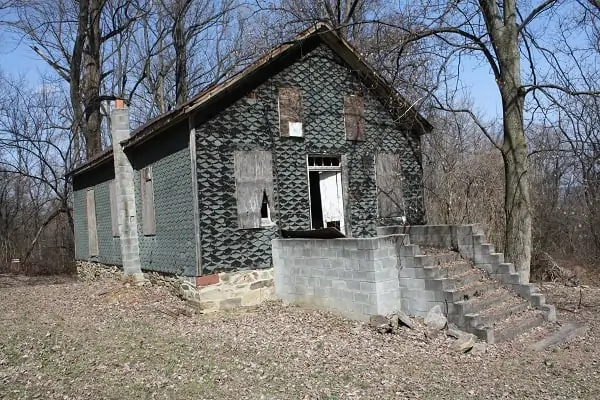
[325,188]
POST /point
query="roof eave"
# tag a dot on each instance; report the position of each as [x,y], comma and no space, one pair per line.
[101,158]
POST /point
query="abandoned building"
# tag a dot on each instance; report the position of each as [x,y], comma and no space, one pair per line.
[307,137]
[301,139]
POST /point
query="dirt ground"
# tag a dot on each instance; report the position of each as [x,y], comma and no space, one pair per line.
[64,339]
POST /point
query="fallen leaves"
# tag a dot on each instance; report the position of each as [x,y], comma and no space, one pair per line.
[106,340]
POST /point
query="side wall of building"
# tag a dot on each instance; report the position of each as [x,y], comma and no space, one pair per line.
[172,248]
[109,246]
[252,123]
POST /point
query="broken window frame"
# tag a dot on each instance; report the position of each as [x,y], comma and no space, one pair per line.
[265,220]
[319,162]
[390,202]
[315,158]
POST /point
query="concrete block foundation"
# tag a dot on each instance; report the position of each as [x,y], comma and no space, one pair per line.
[357,277]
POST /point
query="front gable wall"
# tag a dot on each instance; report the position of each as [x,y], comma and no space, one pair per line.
[253,124]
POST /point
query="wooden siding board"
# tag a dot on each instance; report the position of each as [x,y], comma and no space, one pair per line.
[147,191]
[389,185]
[354,117]
[253,176]
[92,227]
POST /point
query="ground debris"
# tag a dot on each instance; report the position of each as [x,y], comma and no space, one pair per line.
[79,344]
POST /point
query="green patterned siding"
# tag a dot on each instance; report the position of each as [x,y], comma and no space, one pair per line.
[109,246]
[172,249]
[253,124]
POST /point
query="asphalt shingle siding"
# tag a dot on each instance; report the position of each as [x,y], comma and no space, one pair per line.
[252,124]
[109,247]
[172,249]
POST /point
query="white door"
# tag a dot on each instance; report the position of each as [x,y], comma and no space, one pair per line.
[330,183]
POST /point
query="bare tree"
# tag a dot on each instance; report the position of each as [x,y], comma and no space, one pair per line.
[502,34]
[35,145]
[71,36]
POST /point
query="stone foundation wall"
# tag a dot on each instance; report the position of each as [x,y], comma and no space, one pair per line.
[208,293]
[231,289]
[357,277]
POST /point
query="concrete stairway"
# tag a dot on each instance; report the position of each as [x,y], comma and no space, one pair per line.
[477,303]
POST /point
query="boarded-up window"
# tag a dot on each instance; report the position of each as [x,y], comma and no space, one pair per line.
[290,112]
[354,117]
[147,189]
[253,179]
[91,220]
[114,212]
[389,186]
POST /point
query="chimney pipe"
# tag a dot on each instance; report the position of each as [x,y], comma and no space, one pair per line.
[125,193]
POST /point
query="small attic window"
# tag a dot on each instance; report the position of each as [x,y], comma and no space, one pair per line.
[251,97]
[290,112]
[354,117]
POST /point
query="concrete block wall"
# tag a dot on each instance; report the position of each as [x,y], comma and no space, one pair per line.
[357,277]
[417,292]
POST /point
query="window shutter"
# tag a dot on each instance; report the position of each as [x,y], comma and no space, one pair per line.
[354,117]
[147,189]
[253,178]
[91,220]
[114,211]
[389,185]
[290,112]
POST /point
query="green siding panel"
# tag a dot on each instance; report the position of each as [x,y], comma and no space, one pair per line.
[172,248]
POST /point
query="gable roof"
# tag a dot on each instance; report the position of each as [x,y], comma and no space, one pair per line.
[257,71]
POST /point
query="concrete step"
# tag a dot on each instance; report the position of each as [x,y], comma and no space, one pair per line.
[478,239]
[450,270]
[440,256]
[480,303]
[510,328]
[504,268]
[468,292]
[468,278]
[487,248]
[501,311]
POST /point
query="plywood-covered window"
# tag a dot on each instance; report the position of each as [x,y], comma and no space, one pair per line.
[253,187]
[290,112]
[354,117]
[114,212]
[390,200]
[147,190]
[91,222]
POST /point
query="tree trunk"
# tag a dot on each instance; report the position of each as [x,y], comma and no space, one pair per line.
[503,30]
[91,81]
[180,46]
[517,206]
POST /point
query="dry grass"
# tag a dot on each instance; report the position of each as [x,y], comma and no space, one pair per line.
[107,340]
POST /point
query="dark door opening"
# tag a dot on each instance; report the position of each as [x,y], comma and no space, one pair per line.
[316,208]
